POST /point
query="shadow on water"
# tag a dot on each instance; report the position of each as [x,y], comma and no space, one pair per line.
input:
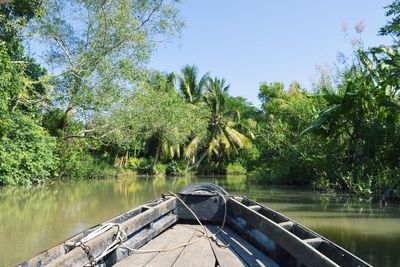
[37,218]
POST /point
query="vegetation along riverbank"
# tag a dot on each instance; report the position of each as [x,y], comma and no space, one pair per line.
[92,106]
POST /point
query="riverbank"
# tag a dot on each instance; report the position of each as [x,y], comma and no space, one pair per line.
[390,195]
[106,171]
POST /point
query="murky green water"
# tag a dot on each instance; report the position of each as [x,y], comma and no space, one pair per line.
[32,220]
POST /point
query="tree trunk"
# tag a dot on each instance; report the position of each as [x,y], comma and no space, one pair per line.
[202,157]
[66,117]
[158,149]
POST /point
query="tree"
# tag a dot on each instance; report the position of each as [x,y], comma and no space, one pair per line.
[190,86]
[393,25]
[222,138]
[14,15]
[155,115]
[94,46]
[26,149]
[272,96]
[286,157]
[246,109]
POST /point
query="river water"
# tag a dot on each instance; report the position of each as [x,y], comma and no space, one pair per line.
[32,220]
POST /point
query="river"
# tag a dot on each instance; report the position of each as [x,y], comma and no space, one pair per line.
[33,219]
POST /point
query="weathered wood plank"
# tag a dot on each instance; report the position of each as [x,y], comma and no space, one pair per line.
[314,242]
[260,240]
[267,212]
[246,251]
[168,239]
[45,257]
[227,257]
[292,244]
[339,255]
[287,225]
[255,207]
[78,257]
[141,238]
[198,254]
[185,235]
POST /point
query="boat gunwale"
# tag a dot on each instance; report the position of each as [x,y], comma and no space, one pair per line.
[66,244]
[240,199]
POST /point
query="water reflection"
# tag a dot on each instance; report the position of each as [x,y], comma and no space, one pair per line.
[37,218]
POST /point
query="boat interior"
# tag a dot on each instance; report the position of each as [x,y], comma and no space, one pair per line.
[230,249]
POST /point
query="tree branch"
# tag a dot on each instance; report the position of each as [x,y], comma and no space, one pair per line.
[149,16]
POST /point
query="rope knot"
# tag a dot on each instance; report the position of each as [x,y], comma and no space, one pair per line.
[213,237]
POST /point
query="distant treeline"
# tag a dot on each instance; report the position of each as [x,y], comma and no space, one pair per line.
[97,110]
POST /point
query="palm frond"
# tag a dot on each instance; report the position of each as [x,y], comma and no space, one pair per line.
[171,152]
[238,138]
[178,151]
[191,148]
[213,147]
[190,86]
[227,145]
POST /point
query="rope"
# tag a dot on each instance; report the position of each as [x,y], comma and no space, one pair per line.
[89,254]
[122,237]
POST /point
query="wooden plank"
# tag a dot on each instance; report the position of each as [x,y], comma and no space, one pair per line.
[258,239]
[314,242]
[287,225]
[198,254]
[339,255]
[141,238]
[168,239]
[186,234]
[78,257]
[45,257]
[267,212]
[255,207]
[306,254]
[226,256]
[247,252]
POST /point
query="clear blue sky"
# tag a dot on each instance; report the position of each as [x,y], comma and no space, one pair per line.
[248,42]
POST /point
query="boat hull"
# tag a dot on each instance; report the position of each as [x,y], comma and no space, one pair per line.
[228,229]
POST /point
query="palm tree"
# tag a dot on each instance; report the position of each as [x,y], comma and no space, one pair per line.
[222,138]
[190,86]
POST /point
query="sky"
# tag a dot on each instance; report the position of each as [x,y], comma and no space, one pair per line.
[252,41]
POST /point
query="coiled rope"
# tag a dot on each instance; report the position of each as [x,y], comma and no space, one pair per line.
[121,236]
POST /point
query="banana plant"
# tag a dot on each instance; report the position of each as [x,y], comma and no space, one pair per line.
[368,97]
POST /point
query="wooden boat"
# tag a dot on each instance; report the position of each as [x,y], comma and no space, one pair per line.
[201,226]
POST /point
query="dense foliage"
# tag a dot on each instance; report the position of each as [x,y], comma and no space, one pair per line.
[97,110]
[393,25]
[26,149]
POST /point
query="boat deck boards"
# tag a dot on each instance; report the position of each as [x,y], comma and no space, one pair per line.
[238,252]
